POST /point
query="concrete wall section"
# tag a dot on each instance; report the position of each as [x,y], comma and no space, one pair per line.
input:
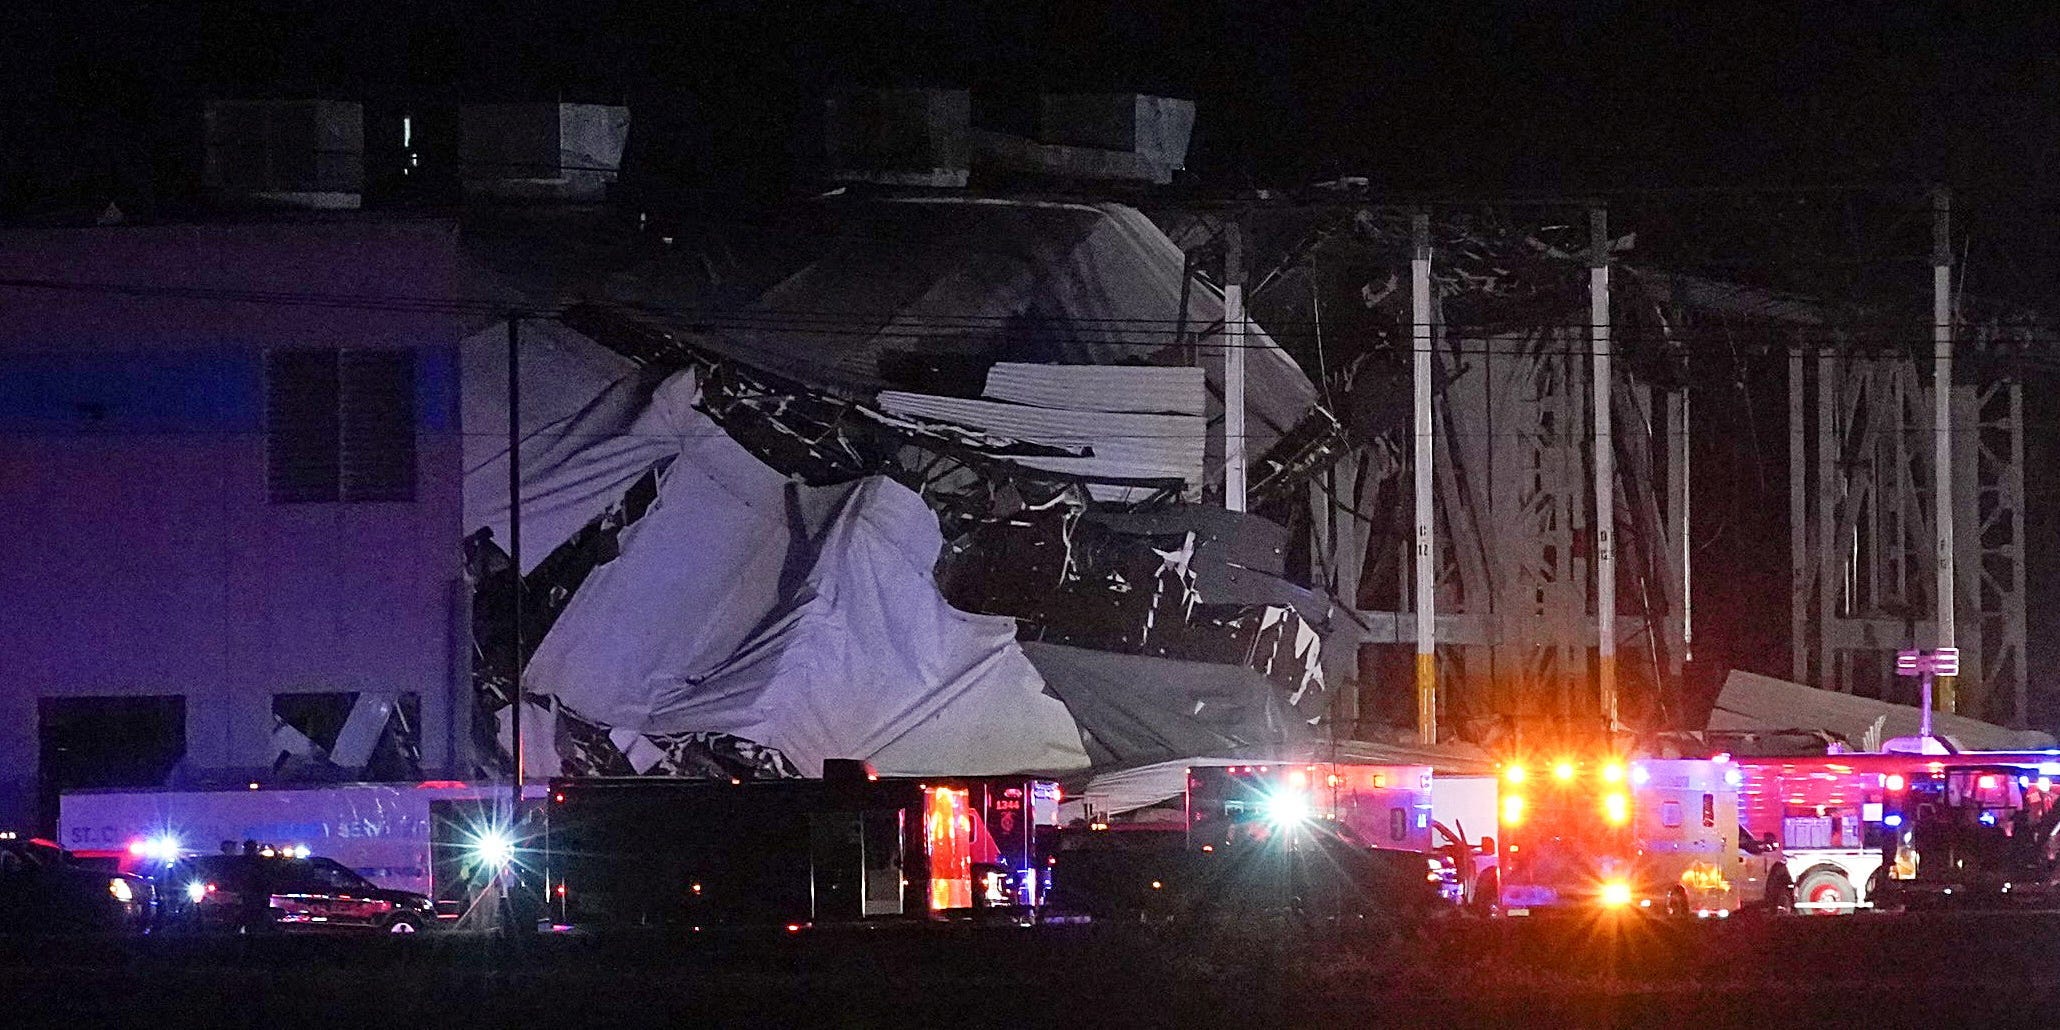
[142,553]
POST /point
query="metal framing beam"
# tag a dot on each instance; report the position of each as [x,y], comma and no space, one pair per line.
[1426,568]
[1605,467]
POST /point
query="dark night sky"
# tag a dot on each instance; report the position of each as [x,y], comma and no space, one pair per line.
[1488,96]
[1495,93]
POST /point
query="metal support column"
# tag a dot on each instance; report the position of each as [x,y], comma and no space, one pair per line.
[1942,426]
[515,545]
[1605,469]
[1234,463]
[1799,557]
[1677,505]
[1426,564]
[511,876]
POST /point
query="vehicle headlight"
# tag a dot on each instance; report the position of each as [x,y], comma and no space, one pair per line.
[1287,808]
[121,890]
[493,849]
[1616,893]
[196,892]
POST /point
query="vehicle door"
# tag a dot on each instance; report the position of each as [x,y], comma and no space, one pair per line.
[232,891]
[1757,860]
[1461,856]
[330,893]
[20,887]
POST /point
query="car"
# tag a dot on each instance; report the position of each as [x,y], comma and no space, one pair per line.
[286,891]
[44,889]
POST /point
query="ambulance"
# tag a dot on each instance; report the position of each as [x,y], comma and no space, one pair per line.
[1614,834]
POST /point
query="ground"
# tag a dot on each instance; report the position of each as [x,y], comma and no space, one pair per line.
[1934,971]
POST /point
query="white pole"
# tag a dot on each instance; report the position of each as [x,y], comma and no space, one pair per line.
[1605,469]
[1426,567]
[1942,425]
[1233,370]
[1677,474]
[1924,719]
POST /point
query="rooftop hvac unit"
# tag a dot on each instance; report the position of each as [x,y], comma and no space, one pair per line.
[900,137]
[564,152]
[296,153]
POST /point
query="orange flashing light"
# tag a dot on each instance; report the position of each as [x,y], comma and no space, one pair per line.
[1513,810]
[1617,809]
[1563,771]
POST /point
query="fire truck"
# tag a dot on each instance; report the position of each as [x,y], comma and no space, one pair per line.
[1823,816]
[1615,834]
[1972,830]
[1843,823]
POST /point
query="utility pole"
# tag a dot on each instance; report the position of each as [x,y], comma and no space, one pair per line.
[1233,366]
[1605,468]
[1942,427]
[1426,566]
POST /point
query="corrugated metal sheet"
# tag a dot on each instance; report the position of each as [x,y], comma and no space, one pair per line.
[1141,389]
[1124,445]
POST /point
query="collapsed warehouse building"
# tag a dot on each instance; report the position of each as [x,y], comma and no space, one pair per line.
[1047,378]
[758,554]
[947,492]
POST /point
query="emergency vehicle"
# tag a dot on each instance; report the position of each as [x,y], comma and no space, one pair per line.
[1839,821]
[1378,815]
[1823,816]
[1322,840]
[1614,834]
[1384,808]
[1973,830]
[380,831]
[1379,806]
[849,847]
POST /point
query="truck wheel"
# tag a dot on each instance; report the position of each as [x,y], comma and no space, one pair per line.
[1826,891]
[1677,903]
[1780,891]
[1487,892]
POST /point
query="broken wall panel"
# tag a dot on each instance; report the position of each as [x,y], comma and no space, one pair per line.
[1097,445]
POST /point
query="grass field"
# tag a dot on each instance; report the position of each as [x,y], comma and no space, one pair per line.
[1934,971]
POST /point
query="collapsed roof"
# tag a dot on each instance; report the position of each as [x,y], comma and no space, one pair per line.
[733,528]
[1754,704]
